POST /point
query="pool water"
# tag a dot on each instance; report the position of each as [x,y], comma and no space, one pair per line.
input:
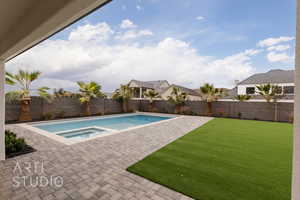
[69,129]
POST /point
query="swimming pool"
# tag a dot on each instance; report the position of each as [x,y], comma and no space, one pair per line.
[88,128]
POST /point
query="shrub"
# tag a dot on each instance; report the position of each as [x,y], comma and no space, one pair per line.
[61,114]
[194,113]
[48,116]
[99,113]
[240,115]
[13,144]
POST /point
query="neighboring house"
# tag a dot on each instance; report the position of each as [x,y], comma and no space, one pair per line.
[162,87]
[191,94]
[139,87]
[282,78]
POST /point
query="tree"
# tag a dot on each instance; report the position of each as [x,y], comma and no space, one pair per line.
[151,95]
[242,97]
[178,98]
[60,93]
[23,81]
[271,93]
[210,94]
[87,92]
[123,95]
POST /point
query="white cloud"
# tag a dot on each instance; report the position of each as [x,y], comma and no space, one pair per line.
[273,41]
[200,18]
[279,48]
[279,57]
[126,23]
[98,32]
[139,8]
[63,62]
[133,34]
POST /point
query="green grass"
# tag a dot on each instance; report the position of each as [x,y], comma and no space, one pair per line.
[226,159]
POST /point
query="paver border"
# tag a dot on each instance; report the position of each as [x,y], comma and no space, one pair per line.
[65,141]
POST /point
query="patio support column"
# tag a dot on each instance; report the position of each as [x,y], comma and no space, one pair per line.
[2,111]
[141,92]
[296,153]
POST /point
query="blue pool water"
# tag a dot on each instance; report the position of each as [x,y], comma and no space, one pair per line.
[116,123]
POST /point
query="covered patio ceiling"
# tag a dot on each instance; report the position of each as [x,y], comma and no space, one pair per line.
[24,23]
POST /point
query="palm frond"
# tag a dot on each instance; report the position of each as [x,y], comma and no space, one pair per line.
[209,93]
[9,79]
[151,95]
[242,97]
[88,91]
[43,92]
[177,97]
[13,96]
[269,92]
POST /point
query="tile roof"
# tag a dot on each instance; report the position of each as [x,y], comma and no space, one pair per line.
[186,90]
[272,76]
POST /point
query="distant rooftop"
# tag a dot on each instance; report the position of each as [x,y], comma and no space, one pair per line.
[272,76]
[149,84]
[186,90]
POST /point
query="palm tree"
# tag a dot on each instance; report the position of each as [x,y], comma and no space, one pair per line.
[23,80]
[87,92]
[151,95]
[178,98]
[60,93]
[123,95]
[242,97]
[210,94]
[271,93]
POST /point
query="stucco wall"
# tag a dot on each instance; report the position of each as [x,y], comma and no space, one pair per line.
[63,107]
[69,107]
[244,110]
[242,88]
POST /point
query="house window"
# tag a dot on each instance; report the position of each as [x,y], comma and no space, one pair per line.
[250,90]
[288,90]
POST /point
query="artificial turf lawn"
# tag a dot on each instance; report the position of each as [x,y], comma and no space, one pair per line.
[226,159]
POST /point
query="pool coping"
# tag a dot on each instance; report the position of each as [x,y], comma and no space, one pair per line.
[65,141]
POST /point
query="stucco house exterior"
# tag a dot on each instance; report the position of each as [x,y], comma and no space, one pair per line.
[192,95]
[162,87]
[139,87]
[282,78]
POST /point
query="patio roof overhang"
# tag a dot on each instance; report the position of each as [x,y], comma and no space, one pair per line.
[25,23]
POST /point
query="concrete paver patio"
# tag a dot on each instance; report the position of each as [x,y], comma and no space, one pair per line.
[94,169]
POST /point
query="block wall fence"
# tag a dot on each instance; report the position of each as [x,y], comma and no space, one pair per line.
[69,107]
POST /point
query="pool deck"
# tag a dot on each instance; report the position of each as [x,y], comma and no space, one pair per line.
[94,169]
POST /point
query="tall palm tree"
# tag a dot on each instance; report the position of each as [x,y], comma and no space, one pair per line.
[151,95]
[123,95]
[210,94]
[87,92]
[178,98]
[242,97]
[271,93]
[23,81]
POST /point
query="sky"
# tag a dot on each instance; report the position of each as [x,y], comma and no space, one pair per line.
[187,42]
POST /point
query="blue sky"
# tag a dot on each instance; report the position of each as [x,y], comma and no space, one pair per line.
[209,33]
